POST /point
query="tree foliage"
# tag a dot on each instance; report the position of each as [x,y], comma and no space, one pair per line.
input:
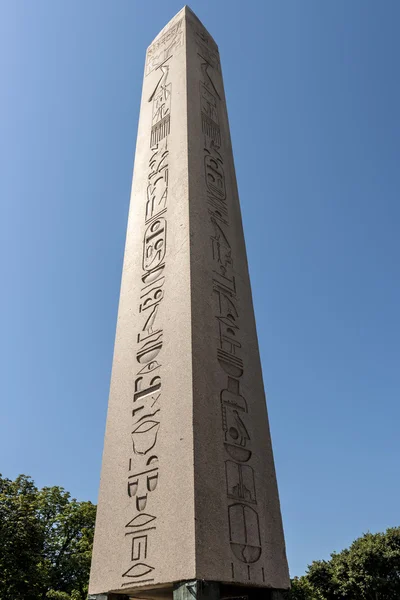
[46,542]
[368,570]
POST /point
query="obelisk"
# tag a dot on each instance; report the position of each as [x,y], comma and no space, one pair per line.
[188,500]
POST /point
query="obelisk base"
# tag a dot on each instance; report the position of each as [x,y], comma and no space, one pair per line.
[212,590]
[107,597]
[200,589]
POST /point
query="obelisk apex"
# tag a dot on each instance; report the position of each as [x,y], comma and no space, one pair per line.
[188,488]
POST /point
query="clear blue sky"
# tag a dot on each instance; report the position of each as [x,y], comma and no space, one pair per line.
[313,97]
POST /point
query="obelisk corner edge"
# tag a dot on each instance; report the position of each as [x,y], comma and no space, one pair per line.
[172,35]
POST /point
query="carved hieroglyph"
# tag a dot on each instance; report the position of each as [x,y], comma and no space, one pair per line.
[188,487]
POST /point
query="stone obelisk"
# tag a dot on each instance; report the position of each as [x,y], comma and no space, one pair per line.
[188,500]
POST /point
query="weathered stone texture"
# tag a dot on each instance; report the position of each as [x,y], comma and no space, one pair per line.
[188,488]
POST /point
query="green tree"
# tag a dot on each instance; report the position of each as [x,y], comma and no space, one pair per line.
[46,542]
[21,540]
[303,590]
[368,570]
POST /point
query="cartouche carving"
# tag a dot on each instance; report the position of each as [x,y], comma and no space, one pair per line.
[154,244]
[243,521]
[143,470]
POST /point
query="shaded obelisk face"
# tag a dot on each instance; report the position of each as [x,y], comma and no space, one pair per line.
[188,487]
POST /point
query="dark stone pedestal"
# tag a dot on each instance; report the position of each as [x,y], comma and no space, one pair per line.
[212,590]
[107,597]
[199,589]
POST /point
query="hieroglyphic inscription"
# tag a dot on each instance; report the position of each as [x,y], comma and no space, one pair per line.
[164,46]
[210,53]
[243,520]
[240,481]
[142,471]
[137,531]
[209,115]
[161,108]
[205,44]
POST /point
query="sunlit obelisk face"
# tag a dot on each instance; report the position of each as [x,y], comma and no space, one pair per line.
[188,488]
